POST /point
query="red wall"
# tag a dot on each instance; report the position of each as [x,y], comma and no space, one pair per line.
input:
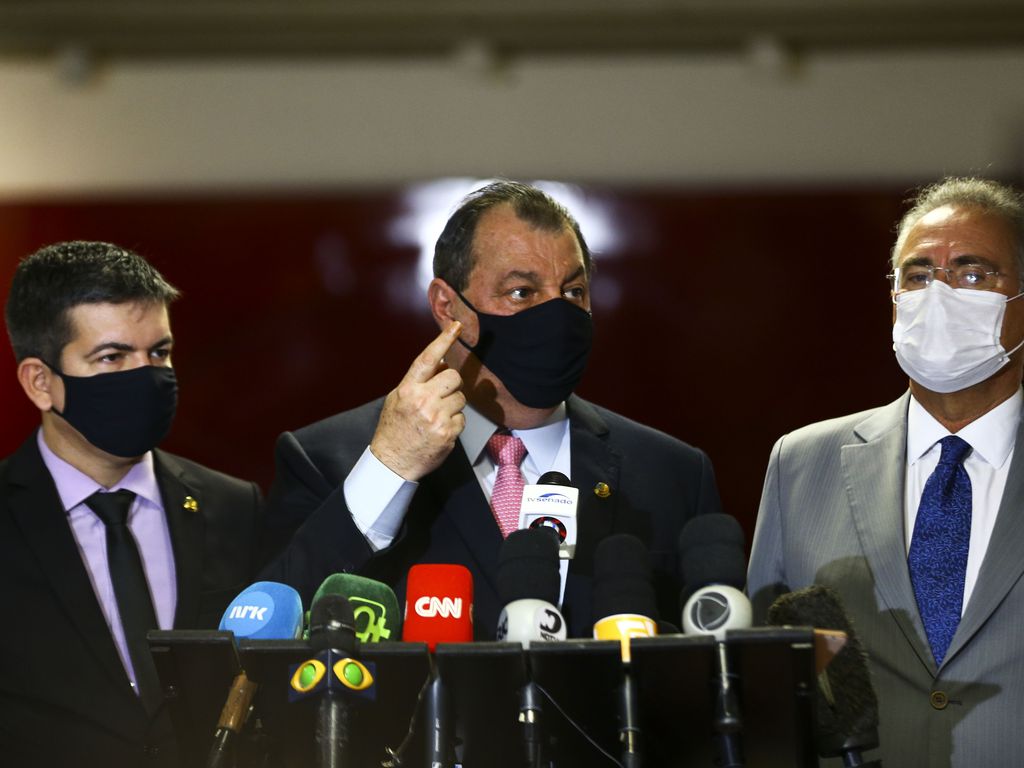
[739,315]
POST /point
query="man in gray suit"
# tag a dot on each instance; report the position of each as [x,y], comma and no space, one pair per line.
[914,512]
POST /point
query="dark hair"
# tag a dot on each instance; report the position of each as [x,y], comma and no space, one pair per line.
[453,254]
[984,195]
[59,277]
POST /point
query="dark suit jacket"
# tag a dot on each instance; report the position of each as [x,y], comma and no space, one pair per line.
[64,695]
[657,484]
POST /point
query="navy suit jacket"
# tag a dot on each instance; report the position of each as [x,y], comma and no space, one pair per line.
[657,483]
[64,696]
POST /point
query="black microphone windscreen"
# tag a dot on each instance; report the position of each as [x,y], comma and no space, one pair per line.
[332,624]
[553,478]
[712,551]
[528,566]
[622,578]
[850,719]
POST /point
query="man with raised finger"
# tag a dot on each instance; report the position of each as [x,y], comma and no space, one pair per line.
[433,472]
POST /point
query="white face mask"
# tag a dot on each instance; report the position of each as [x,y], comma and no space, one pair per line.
[947,339]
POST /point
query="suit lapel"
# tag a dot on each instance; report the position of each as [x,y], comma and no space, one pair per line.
[593,462]
[1003,564]
[183,501]
[37,510]
[874,474]
[455,490]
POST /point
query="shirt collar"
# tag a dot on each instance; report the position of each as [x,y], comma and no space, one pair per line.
[74,486]
[992,435]
[542,442]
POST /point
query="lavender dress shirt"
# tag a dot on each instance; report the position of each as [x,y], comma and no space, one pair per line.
[148,524]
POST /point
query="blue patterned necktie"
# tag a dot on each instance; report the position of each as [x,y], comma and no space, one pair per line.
[938,549]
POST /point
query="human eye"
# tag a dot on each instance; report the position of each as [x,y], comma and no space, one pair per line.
[161,354]
[110,357]
[521,293]
[575,293]
[914,276]
[971,276]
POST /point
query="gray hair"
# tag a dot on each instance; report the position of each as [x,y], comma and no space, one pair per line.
[984,195]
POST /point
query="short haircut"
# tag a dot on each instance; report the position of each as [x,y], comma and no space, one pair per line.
[57,278]
[453,254]
[984,195]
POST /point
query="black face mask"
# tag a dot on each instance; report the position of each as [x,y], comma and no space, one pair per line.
[125,413]
[539,354]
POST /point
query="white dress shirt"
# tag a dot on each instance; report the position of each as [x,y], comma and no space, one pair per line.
[992,439]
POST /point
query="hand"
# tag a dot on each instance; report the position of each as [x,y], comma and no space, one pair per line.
[422,417]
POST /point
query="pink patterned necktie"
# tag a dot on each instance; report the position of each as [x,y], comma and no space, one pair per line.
[507,451]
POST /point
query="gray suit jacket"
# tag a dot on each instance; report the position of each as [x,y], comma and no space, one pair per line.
[832,514]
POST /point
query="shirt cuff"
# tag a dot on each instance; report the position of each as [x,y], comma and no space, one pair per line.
[377,499]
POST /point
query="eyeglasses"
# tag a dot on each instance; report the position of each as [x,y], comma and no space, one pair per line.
[918,276]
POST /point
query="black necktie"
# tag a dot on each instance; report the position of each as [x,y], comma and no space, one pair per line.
[130,588]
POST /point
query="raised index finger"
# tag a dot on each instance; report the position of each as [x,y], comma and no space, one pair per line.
[425,365]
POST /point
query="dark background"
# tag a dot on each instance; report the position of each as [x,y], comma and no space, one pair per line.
[725,318]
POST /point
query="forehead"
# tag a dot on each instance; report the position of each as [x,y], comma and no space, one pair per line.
[504,242]
[119,322]
[950,231]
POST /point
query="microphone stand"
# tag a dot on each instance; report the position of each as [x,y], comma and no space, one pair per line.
[629,723]
[439,746]
[726,721]
[529,715]
[332,730]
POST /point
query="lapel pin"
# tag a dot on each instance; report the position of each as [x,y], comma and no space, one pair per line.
[190,504]
[602,490]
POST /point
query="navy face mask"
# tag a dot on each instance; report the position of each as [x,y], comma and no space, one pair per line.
[539,354]
[125,413]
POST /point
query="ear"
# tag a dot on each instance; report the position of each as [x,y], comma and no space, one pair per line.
[445,305]
[37,380]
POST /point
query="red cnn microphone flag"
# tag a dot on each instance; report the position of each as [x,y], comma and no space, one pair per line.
[438,605]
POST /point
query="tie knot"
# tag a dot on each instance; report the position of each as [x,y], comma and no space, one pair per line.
[111,508]
[954,450]
[506,449]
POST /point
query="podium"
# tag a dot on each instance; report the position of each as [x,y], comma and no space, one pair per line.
[577,683]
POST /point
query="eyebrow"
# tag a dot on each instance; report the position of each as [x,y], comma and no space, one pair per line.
[533,277]
[119,346]
[580,271]
[967,258]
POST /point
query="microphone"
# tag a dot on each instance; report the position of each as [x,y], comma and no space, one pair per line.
[265,610]
[528,586]
[552,503]
[714,570]
[438,609]
[332,635]
[625,607]
[846,706]
[374,605]
[713,565]
[438,605]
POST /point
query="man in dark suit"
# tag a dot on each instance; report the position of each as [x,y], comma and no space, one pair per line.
[102,535]
[433,472]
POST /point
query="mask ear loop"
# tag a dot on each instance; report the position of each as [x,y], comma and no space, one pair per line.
[1021,344]
[60,375]
[475,311]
